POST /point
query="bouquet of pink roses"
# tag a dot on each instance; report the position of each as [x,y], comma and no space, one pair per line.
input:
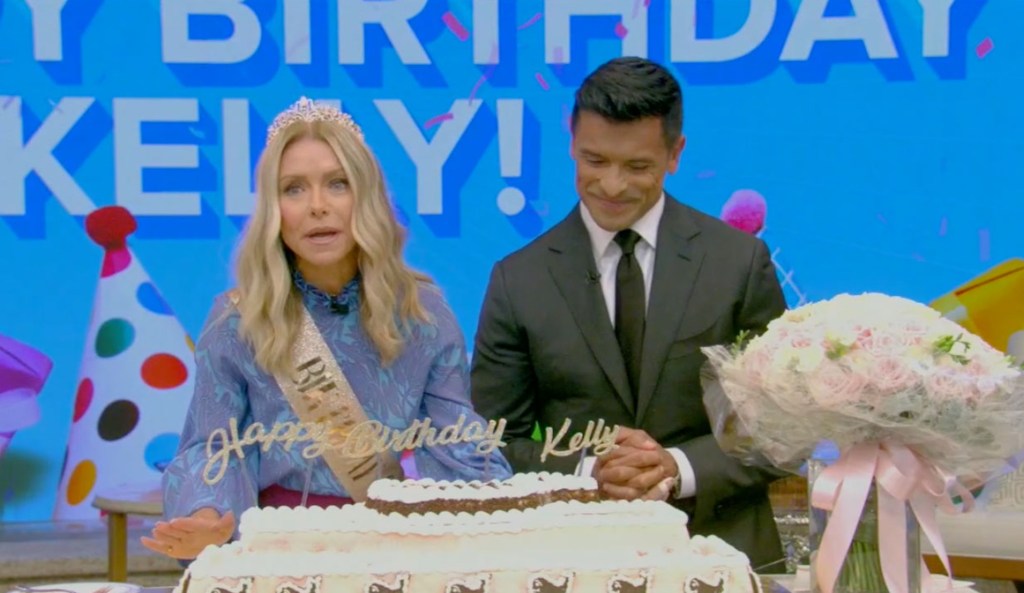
[899,389]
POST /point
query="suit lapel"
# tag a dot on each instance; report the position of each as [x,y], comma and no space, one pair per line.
[676,265]
[571,265]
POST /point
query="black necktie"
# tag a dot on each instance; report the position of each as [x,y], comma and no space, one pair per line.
[629,306]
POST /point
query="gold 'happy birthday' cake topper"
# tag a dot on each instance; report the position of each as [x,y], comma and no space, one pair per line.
[372,437]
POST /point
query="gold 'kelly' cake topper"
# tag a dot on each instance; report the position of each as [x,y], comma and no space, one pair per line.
[596,435]
[372,437]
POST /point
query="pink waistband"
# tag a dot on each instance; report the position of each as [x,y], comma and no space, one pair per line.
[278,496]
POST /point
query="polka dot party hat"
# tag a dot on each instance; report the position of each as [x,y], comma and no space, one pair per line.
[135,379]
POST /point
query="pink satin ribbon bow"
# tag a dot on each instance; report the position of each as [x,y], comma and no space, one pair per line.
[901,477]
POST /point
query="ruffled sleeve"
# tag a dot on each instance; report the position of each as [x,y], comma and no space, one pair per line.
[220,395]
[446,398]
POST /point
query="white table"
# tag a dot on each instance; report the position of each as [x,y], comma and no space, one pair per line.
[987,544]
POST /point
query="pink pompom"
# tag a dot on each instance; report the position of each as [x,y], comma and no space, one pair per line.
[745,210]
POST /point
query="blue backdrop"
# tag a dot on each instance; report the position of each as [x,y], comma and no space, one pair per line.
[884,136]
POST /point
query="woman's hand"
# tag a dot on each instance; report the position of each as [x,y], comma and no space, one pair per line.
[184,537]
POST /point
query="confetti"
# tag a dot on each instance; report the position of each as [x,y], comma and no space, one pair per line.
[487,73]
[984,47]
[540,80]
[620,30]
[532,21]
[558,56]
[480,81]
[437,119]
[984,245]
[943,226]
[295,47]
[455,26]
[706,174]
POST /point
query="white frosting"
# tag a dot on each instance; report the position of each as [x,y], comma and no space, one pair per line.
[596,541]
[556,515]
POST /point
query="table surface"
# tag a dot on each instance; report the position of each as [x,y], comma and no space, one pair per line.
[136,499]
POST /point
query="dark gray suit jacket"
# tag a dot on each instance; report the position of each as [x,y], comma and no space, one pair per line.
[545,351]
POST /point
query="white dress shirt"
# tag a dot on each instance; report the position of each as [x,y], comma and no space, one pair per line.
[606,255]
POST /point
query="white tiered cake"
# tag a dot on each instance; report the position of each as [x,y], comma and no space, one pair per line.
[534,533]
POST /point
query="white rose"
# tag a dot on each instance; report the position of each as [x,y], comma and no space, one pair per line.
[808,359]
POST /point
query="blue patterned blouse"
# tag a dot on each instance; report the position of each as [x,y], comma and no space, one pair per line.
[430,379]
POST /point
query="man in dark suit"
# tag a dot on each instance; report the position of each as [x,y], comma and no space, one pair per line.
[603,317]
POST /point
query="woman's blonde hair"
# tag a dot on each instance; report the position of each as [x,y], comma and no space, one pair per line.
[269,303]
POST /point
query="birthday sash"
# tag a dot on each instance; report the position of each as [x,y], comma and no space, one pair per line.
[320,395]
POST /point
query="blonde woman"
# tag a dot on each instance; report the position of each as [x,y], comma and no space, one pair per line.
[320,269]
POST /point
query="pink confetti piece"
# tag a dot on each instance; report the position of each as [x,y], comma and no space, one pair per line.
[636,7]
[532,21]
[297,45]
[487,73]
[943,226]
[476,87]
[559,56]
[620,30]
[984,47]
[984,245]
[455,26]
[543,83]
[437,119]
[647,3]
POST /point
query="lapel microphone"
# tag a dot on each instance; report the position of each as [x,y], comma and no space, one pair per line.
[593,277]
[338,308]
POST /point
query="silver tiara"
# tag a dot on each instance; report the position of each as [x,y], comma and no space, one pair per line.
[307,110]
